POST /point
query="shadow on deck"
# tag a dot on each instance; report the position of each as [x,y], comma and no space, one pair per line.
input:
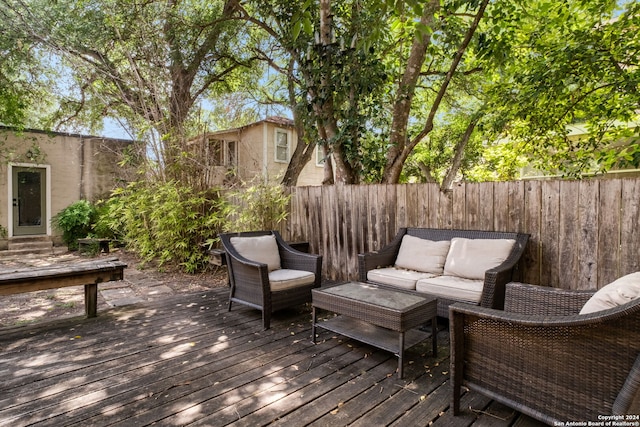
[187,361]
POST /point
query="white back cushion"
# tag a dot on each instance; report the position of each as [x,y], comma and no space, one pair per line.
[263,249]
[422,255]
[618,292]
[471,258]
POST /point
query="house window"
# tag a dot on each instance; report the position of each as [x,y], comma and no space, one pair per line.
[282,146]
[223,153]
[231,154]
[320,158]
[217,154]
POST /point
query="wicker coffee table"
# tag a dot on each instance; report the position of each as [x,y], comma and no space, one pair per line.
[378,316]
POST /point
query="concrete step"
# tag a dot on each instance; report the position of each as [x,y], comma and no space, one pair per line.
[17,253]
[30,245]
[17,246]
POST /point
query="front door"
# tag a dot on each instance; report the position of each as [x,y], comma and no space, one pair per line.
[29,201]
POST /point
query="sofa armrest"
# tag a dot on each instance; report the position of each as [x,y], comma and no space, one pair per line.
[371,260]
[384,257]
[496,278]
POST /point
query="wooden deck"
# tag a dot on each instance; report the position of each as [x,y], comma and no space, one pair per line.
[187,361]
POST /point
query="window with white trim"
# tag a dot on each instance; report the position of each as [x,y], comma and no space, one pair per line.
[223,153]
[282,146]
[320,158]
[231,154]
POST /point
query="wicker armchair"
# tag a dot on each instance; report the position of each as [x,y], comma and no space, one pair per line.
[540,357]
[250,280]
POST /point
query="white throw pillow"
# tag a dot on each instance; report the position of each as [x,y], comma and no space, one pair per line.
[618,292]
[471,258]
[422,254]
[263,249]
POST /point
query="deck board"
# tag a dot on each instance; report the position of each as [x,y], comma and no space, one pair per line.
[186,360]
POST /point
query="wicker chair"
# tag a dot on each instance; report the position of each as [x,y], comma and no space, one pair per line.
[540,357]
[249,280]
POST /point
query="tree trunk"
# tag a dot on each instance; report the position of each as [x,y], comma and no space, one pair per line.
[325,112]
[400,147]
[300,157]
[406,91]
[328,167]
[304,150]
[459,154]
[426,172]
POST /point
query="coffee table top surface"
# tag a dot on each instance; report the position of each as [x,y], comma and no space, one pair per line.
[376,295]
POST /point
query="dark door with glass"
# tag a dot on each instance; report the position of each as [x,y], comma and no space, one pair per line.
[29,201]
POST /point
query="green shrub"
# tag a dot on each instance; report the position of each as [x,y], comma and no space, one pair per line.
[76,222]
[258,207]
[165,222]
[105,226]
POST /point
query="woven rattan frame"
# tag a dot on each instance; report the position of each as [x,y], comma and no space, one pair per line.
[383,317]
[494,279]
[397,320]
[540,357]
[249,280]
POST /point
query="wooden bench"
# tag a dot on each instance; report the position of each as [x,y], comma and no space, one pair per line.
[87,273]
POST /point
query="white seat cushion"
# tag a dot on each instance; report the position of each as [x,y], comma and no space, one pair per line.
[280,280]
[452,287]
[618,292]
[262,249]
[471,258]
[422,254]
[405,279]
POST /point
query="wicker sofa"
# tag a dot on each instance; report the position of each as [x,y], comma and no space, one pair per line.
[454,265]
[544,358]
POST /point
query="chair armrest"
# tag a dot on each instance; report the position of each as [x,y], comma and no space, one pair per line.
[462,310]
[529,299]
[251,276]
[551,367]
[294,259]
[249,280]
[290,258]
[628,400]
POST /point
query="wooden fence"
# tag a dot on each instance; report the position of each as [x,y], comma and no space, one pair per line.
[584,234]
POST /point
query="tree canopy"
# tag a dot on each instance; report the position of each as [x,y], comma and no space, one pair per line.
[147,63]
[436,90]
[392,91]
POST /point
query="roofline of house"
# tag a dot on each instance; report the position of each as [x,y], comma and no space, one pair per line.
[54,133]
[277,120]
